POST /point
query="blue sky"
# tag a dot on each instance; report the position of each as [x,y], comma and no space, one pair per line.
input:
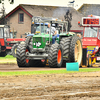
[77,3]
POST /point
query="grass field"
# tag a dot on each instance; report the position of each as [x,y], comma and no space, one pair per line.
[9,59]
[48,72]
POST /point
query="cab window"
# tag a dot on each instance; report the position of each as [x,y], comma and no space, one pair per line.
[1,32]
[90,32]
[6,33]
[99,35]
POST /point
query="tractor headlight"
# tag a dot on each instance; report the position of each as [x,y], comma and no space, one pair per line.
[34,43]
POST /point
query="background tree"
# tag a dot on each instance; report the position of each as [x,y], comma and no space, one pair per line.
[3,21]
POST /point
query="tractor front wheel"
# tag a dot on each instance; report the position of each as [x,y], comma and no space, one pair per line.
[22,60]
[55,57]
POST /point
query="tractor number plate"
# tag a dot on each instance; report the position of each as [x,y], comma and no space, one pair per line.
[98,58]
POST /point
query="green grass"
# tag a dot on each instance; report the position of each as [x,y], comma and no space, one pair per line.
[62,71]
[8,57]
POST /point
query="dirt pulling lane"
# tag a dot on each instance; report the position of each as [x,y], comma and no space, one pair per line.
[79,86]
[16,68]
[73,86]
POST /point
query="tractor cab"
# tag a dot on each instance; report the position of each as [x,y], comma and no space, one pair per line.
[4,31]
[7,40]
[91,34]
[4,34]
[41,38]
[91,38]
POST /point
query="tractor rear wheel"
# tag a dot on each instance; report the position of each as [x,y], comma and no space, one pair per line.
[75,54]
[13,50]
[55,57]
[65,43]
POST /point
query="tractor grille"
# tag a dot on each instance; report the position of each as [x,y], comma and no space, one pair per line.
[37,39]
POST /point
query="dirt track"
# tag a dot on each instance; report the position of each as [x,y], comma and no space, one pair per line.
[14,67]
[78,86]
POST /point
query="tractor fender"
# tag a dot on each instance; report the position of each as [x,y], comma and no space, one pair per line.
[29,35]
[71,33]
[22,42]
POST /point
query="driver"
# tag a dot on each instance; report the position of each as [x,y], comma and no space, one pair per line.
[53,33]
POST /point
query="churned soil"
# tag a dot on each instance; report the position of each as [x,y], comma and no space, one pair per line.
[77,86]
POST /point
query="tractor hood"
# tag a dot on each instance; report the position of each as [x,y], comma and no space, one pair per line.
[39,41]
[42,35]
[89,41]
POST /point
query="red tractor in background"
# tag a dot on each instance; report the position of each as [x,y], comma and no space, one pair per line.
[91,40]
[7,41]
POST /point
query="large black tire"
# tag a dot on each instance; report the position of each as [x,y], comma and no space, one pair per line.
[65,43]
[0,48]
[55,57]
[22,61]
[18,55]
[13,50]
[28,42]
[75,54]
[89,61]
[3,54]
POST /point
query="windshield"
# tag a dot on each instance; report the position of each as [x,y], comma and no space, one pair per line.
[90,32]
[1,32]
[6,33]
[43,29]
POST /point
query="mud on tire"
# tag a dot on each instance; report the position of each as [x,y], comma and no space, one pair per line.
[55,56]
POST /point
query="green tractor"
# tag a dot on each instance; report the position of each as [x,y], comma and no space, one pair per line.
[38,50]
